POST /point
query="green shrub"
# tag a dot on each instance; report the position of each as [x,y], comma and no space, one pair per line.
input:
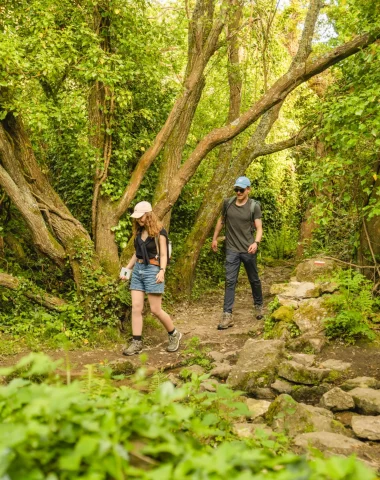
[280,244]
[95,431]
[196,355]
[353,306]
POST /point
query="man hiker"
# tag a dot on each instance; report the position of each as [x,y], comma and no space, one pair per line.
[241,217]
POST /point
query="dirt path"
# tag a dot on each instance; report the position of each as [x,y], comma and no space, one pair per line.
[199,318]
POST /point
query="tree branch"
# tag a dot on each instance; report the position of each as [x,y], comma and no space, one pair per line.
[274,96]
[298,139]
[35,293]
[192,80]
[304,47]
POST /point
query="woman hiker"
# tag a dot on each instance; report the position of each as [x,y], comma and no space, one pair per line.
[148,276]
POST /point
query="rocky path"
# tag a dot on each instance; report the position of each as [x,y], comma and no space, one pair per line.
[330,400]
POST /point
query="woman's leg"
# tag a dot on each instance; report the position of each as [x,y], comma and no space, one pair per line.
[155,301]
[137,309]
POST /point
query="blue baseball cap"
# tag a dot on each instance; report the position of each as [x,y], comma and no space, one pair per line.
[242,182]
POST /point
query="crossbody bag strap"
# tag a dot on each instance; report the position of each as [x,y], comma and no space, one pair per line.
[157,242]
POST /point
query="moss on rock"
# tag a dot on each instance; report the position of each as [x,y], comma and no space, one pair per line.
[283,314]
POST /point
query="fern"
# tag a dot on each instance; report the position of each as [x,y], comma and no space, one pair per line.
[353,306]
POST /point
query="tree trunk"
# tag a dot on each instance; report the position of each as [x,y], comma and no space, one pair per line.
[106,247]
[185,268]
[36,294]
[57,234]
[199,30]
[211,206]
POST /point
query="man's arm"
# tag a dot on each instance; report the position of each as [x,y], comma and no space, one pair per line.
[259,229]
[218,228]
[259,234]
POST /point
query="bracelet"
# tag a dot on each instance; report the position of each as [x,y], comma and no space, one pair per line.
[256,242]
[162,269]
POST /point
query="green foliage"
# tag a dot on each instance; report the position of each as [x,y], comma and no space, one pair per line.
[353,306]
[87,319]
[196,355]
[92,430]
[280,244]
[274,305]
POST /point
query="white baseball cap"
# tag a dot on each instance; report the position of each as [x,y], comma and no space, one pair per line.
[141,208]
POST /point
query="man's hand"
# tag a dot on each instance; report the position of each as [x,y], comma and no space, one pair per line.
[214,245]
[252,248]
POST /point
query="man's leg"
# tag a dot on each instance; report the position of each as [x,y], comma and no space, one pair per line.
[232,272]
[250,265]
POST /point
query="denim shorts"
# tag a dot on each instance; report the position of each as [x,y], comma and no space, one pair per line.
[144,279]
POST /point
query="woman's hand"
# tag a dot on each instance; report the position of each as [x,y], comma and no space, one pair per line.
[160,277]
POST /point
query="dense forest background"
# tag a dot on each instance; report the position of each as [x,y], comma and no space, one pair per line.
[104,103]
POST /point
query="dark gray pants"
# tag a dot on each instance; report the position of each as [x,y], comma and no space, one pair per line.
[233,262]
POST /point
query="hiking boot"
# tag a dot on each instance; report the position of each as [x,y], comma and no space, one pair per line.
[226,321]
[174,341]
[136,346]
[259,312]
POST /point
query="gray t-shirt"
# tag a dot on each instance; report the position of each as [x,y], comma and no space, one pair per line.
[239,234]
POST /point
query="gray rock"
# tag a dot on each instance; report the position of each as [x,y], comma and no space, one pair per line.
[366,427]
[263,393]
[309,394]
[310,316]
[337,365]
[216,356]
[296,290]
[287,302]
[360,382]
[221,370]
[261,428]
[328,287]
[312,269]
[312,342]
[328,442]
[243,429]
[304,359]
[208,386]
[336,400]
[231,355]
[319,411]
[257,408]
[297,373]
[257,364]
[366,400]
[286,415]
[282,386]
[251,430]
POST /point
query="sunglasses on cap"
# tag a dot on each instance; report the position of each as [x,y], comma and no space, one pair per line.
[239,190]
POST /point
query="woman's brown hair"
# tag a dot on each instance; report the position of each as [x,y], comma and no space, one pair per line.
[152,225]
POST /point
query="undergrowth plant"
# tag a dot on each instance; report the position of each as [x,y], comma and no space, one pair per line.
[92,430]
[280,243]
[353,306]
[196,355]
